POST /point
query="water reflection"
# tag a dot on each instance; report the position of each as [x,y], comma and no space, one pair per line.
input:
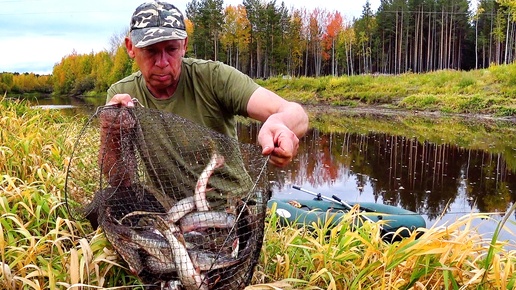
[422,176]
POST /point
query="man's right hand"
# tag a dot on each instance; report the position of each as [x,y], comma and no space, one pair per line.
[115,120]
[123,100]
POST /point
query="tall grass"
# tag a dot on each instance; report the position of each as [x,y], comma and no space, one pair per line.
[454,256]
[42,247]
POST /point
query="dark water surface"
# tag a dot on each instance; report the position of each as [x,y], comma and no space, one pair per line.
[443,168]
[418,164]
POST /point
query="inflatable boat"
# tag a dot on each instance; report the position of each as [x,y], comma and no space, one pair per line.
[397,221]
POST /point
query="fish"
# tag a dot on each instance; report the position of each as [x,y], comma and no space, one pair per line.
[205,261]
[158,253]
[174,214]
[129,253]
[197,201]
[201,203]
[121,240]
[206,219]
[180,209]
[189,274]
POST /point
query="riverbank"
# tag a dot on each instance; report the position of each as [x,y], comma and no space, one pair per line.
[485,93]
[478,93]
[380,110]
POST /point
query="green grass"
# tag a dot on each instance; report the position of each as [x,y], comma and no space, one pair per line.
[488,91]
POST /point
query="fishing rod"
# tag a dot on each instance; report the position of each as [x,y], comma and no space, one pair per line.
[333,198]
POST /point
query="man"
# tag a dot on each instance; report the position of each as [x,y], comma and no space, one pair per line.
[210,94]
[207,92]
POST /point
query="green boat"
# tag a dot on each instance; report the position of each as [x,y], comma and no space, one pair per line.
[399,222]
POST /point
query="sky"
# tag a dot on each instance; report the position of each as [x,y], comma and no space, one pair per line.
[36,34]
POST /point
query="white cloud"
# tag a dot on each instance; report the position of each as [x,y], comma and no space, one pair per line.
[38,53]
[34,35]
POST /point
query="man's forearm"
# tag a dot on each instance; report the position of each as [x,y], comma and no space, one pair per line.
[294,117]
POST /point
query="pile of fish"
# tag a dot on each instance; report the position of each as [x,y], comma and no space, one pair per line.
[188,246]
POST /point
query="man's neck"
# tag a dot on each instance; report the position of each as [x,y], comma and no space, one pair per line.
[164,94]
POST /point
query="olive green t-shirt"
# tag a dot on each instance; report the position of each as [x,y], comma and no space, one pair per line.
[209,93]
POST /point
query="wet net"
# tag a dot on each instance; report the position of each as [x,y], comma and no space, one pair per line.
[182,205]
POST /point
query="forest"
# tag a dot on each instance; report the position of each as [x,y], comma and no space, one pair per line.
[264,39]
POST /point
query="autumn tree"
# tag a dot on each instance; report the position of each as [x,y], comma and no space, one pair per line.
[345,44]
[263,38]
[316,29]
[333,29]
[189,31]
[207,18]
[6,82]
[19,84]
[101,71]
[235,35]
[65,74]
[296,44]
[122,65]
[364,28]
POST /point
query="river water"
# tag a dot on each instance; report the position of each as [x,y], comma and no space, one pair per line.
[443,168]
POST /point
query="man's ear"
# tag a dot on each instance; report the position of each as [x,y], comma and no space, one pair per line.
[185,46]
[129,46]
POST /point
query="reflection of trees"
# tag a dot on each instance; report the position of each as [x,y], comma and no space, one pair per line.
[489,182]
[419,176]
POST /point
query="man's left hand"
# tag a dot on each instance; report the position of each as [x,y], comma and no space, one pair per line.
[279,142]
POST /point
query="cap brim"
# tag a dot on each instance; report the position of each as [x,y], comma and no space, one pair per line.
[147,36]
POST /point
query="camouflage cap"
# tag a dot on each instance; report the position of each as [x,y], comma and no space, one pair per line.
[156,21]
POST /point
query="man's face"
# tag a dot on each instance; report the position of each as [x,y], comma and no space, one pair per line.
[159,63]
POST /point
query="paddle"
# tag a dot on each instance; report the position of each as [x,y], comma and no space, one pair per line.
[333,198]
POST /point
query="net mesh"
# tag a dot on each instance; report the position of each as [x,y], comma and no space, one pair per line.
[183,205]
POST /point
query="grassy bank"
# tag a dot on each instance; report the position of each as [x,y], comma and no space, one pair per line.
[488,91]
[42,247]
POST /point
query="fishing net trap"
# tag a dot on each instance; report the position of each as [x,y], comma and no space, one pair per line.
[182,205]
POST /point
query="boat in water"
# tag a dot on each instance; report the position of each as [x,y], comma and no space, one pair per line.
[397,222]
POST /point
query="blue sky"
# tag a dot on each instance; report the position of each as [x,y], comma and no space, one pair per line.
[36,34]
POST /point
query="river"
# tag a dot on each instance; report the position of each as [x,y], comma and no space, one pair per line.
[443,168]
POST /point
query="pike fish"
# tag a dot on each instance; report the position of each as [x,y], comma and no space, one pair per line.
[197,201]
[206,261]
[206,219]
[188,220]
[201,203]
[189,274]
[120,238]
[176,212]
[180,209]
[158,259]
